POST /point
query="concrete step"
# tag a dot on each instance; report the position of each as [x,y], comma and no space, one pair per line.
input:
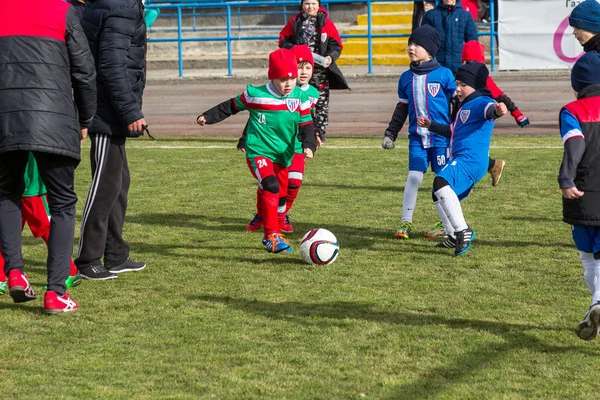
[378,29]
[386,59]
[361,47]
[386,18]
[392,7]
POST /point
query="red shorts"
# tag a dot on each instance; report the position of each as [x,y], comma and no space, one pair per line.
[33,212]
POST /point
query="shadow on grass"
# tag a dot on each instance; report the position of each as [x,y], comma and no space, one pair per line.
[7,304]
[515,336]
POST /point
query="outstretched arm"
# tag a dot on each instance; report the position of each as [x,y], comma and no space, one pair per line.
[218,113]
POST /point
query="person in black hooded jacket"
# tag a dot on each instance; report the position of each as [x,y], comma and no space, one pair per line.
[49,99]
[116,33]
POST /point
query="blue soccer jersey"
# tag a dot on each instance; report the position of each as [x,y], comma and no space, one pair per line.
[472,136]
[427,95]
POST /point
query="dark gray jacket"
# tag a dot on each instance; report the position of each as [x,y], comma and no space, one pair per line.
[116,33]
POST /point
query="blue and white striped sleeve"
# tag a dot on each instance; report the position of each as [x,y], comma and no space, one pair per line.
[569,126]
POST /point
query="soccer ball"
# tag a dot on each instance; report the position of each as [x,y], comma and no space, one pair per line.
[319,246]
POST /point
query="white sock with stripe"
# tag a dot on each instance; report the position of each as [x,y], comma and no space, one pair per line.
[444,218]
[589,270]
[451,206]
[411,189]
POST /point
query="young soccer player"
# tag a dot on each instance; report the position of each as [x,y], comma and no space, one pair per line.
[475,51]
[34,212]
[579,179]
[585,20]
[296,170]
[471,135]
[424,91]
[276,122]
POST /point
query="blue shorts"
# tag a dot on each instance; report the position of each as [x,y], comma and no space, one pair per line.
[420,158]
[458,179]
[586,238]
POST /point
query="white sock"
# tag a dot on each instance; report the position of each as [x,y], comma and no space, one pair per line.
[451,206]
[444,218]
[411,189]
[589,270]
[596,293]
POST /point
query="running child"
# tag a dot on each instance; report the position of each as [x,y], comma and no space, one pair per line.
[579,179]
[276,122]
[296,170]
[424,91]
[471,134]
[473,50]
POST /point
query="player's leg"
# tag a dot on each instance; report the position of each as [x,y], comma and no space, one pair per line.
[257,221]
[58,174]
[265,172]
[495,168]
[587,241]
[452,180]
[35,212]
[417,165]
[282,173]
[295,177]
[437,158]
[12,168]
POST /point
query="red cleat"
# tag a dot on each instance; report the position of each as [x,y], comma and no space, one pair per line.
[55,304]
[19,288]
[256,224]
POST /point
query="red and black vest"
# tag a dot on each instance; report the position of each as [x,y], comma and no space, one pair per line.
[586,209]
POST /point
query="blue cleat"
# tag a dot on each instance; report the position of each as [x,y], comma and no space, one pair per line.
[276,243]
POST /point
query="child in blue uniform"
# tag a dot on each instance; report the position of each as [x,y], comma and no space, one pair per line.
[471,134]
[424,91]
[579,179]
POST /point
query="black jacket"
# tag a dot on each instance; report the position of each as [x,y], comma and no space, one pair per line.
[47,78]
[116,32]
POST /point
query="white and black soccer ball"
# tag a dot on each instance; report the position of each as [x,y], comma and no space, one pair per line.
[319,246]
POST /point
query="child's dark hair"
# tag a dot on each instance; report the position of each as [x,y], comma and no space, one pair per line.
[302,3]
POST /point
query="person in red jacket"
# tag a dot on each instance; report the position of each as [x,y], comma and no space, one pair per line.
[312,27]
[475,51]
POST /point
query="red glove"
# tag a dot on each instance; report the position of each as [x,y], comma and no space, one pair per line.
[521,119]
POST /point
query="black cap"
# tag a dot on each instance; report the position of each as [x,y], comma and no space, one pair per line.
[427,37]
[474,74]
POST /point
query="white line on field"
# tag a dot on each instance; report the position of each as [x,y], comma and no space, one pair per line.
[327,147]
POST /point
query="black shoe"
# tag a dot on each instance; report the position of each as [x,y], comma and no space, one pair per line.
[127,266]
[96,273]
[463,241]
[449,243]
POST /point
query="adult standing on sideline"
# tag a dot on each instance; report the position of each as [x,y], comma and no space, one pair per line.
[313,27]
[116,32]
[46,63]
[456,27]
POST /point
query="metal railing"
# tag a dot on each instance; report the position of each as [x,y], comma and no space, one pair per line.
[188,8]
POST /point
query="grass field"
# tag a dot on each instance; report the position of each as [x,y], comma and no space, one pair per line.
[214,316]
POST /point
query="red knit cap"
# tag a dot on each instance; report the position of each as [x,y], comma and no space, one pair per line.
[303,54]
[282,64]
[473,50]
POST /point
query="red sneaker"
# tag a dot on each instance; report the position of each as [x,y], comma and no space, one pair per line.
[287,225]
[55,304]
[256,223]
[19,288]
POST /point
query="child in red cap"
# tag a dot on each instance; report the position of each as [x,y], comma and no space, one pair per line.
[474,51]
[305,61]
[277,121]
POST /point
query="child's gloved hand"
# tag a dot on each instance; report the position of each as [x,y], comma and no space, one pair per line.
[520,118]
[388,143]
